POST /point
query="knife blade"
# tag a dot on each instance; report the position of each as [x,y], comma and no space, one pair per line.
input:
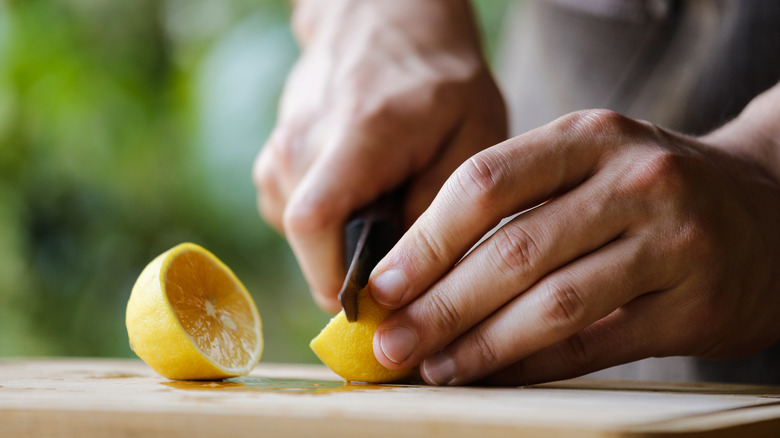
[369,235]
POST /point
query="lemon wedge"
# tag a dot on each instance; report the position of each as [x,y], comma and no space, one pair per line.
[189,317]
[347,348]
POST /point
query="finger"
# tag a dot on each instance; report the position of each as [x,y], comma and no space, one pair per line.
[638,330]
[506,264]
[360,159]
[621,337]
[674,320]
[291,150]
[556,308]
[348,174]
[498,182]
[270,201]
[312,223]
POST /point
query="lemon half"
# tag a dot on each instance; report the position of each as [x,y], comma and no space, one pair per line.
[347,347]
[189,317]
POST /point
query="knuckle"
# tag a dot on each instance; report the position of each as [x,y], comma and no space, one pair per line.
[270,211]
[661,173]
[575,352]
[271,218]
[595,123]
[445,310]
[263,175]
[270,202]
[285,148]
[514,248]
[563,306]
[479,178]
[657,182]
[485,350]
[431,249]
[456,83]
[308,216]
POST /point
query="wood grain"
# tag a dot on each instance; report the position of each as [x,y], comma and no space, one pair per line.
[124,398]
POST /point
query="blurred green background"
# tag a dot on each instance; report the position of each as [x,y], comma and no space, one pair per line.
[129,126]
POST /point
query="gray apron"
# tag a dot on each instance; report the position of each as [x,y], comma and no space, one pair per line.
[688,65]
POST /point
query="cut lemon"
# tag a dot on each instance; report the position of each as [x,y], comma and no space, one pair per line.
[189,317]
[347,347]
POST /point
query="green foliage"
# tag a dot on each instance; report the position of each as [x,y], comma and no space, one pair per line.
[127,127]
[115,132]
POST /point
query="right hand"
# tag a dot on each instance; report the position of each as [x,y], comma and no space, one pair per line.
[384,93]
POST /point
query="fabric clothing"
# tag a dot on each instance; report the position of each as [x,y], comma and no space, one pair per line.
[687,65]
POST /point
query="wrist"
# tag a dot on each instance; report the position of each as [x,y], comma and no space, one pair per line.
[755,133]
[434,20]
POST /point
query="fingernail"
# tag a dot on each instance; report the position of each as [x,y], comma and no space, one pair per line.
[397,343]
[439,369]
[389,287]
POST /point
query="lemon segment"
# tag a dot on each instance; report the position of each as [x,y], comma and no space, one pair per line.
[189,317]
[347,348]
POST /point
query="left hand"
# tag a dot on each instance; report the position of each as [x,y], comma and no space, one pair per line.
[644,243]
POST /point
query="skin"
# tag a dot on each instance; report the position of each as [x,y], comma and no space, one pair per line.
[650,244]
[367,110]
[640,242]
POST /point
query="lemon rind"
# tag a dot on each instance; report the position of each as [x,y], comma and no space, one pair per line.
[187,362]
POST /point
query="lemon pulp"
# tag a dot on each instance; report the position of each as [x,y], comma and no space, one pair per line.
[347,348]
[189,317]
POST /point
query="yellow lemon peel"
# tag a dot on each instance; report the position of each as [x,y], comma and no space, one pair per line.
[189,317]
[347,348]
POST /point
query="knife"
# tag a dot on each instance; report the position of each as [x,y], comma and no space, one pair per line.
[369,235]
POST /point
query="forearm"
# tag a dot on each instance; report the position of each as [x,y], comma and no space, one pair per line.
[755,133]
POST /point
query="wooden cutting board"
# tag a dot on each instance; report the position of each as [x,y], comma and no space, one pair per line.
[123,398]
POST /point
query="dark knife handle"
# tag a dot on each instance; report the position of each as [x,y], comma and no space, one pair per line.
[385,219]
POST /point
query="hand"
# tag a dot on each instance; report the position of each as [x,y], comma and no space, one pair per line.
[643,243]
[384,93]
